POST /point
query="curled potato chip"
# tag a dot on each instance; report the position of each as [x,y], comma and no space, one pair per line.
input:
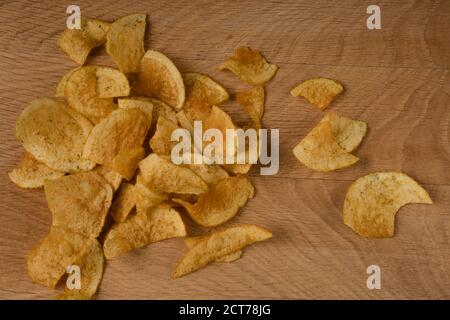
[159,78]
[192,241]
[250,66]
[161,142]
[160,174]
[123,129]
[79,202]
[201,93]
[123,202]
[221,203]
[77,43]
[372,201]
[54,134]
[111,83]
[320,151]
[81,94]
[159,223]
[318,91]
[127,161]
[219,244]
[147,198]
[113,178]
[125,41]
[48,260]
[252,101]
[61,86]
[210,173]
[91,272]
[32,173]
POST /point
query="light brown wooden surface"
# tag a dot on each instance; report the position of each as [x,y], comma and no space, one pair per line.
[397,79]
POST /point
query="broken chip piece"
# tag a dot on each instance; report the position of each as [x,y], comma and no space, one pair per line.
[125,42]
[252,101]
[77,43]
[127,161]
[219,244]
[124,201]
[159,223]
[372,201]
[320,92]
[192,241]
[221,203]
[250,66]
[159,78]
[161,142]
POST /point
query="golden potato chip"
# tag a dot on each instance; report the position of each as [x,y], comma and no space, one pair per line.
[159,78]
[210,173]
[81,95]
[185,121]
[250,66]
[147,198]
[372,201]
[123,129]
[123,202]
[125,41]
[32,173]
[141,103]
[91,272]
[77,43]
[113,178]
[79,202]
[318,91]
[61,86]
[192,241]
[348,132]
[201,93]
[161,174]
[320,151]
[54,134]
[127,161]
[159,223]
[252,101]
[161,142]
[111,83]
[219,244]
[221,203]
[47,262]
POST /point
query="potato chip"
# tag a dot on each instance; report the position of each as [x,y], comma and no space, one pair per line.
[210,173]
[91,272]
[124,201]
[113,178]
[159,78]
[54,134]
[77,43]
[372,201]
[161,174]
[219,244]
[125,41]
[161,142]
[221,203]
[81,95]
[141,103]
[47,262]
[159,223]
[127,161]
[320,92]
[79,202]
[111,83]
[347,132]
[185,121]
[123,129]
[252,101]
[250,66]
[320,151]
[192,241]
[32,173]
[61,86]
[201,93]
[147,198]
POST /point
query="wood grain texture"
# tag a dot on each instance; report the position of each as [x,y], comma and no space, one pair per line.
[397,79]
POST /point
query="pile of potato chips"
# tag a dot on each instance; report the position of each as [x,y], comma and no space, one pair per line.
[101,150]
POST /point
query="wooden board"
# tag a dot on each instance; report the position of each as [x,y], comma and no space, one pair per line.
[397,79]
